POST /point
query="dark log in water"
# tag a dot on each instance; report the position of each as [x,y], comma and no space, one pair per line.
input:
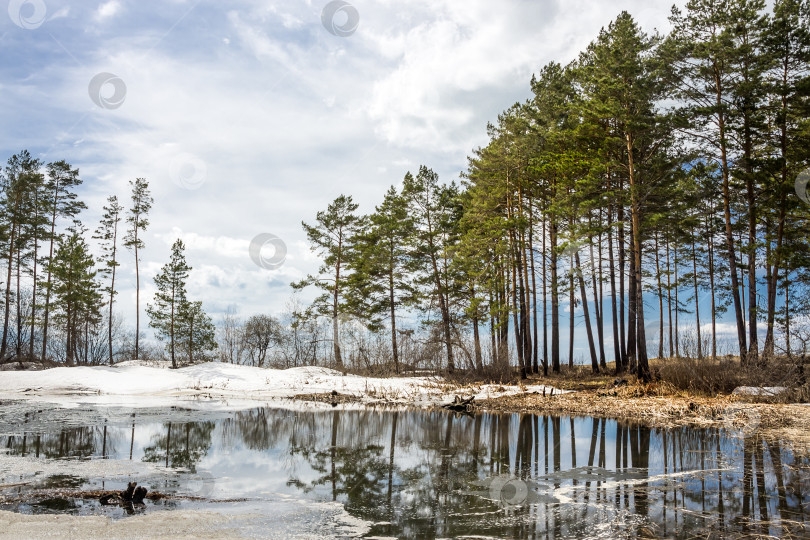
[460,404]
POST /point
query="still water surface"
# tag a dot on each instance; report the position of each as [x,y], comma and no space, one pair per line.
[422,474]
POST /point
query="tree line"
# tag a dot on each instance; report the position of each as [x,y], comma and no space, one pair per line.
[53,283]
[651,179]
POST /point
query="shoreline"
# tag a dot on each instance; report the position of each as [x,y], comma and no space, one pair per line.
[574,393]
[789,423]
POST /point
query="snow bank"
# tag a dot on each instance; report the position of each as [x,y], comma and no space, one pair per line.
[127,382]
[767,391]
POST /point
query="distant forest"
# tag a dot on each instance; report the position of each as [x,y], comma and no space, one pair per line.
[651,188]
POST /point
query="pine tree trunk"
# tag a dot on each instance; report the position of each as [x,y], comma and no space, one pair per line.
[617,355]
[677,304]
[34,276]
[641,339]
[545,299]
[660,299]
[523,289]
[780,229]
[622,245]
[335,313]
[710,235]
[555,298]
[632,298]
[571,302]
[535,355]
[48,282]
[697,298]
[597,310]
[138,300]
[69,331]
[601,325]
[669,299]
[18,346]
[7,309]
[591,347]
[171,330]
[787,312]
[731,252]
[392,304]
[494,344]
[112,293]
[515,307]
[86,341]
[479,361]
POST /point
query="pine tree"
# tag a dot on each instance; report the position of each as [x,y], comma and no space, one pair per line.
[32,233]
[621,88]
[75,290]
[436,214]
[165,313]
[331,238]
[195,332]
[63,179]
[380,282]
[706,59]
[787,44]
[107,233]
[138,222]
[20,179]
[552,130]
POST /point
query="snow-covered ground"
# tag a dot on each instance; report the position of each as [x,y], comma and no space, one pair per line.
[266,519]
[765,391]
[139,385]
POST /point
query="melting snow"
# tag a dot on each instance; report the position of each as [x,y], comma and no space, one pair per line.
[132,383]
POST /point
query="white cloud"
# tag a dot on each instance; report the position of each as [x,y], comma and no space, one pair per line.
[284,115]
[108,10]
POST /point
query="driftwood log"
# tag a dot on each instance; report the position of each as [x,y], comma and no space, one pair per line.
[459,404]
[131,495]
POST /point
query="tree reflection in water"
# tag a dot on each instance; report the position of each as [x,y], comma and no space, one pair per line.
[184,449]
[437,479]
[426,474]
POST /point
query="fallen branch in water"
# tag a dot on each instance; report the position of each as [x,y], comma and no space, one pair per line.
[460,404]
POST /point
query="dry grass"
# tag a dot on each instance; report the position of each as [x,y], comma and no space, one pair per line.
[654,405]
[684,391]
[664,403]
[712,377]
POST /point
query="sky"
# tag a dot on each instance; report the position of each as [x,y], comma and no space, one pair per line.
[247,117]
